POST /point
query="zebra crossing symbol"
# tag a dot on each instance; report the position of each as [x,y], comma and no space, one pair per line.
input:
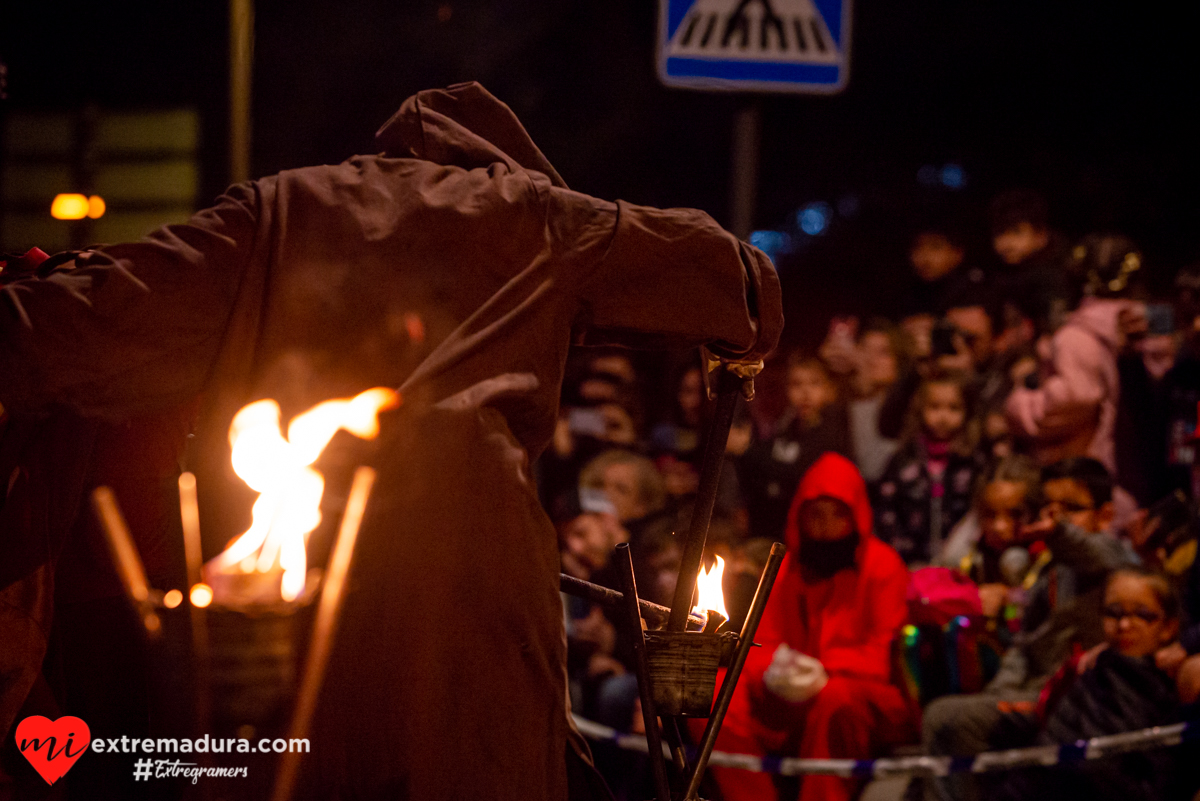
[755,45]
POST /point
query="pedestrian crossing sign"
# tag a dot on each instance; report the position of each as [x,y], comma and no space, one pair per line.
[755,45]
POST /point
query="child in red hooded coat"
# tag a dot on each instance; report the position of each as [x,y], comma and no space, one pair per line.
[820,687]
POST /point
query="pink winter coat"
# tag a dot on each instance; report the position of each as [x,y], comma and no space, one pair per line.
[1073,411]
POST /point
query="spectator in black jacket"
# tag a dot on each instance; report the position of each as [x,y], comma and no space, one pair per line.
[1114,688]
[813,423]
[1033,279]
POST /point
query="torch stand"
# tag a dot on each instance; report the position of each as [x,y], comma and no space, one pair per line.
[677,672]
[677,668]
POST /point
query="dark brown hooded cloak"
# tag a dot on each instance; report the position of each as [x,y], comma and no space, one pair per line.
[458,266]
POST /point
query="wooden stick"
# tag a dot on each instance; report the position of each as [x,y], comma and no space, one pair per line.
[654,614]
[333,592]
[631,617]
[125,558]
[189,513]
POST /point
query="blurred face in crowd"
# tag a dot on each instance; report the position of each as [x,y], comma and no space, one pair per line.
[975,326]
[809,391]
[1003,511]
[588,542]
[919,329]
[825,520]
[1135,623]
[1066,497]
[596,389]
[662,567]
[1158,353]
[679,476]
[943,412]
[1018,243]
[878,361]
[618,425]
[623,490]
[617,366]
[997,435]
[934,256]
[691,396]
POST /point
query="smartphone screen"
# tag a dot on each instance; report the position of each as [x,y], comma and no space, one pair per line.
[586,422]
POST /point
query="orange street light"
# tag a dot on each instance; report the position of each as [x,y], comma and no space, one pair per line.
[69,207]
[73,206]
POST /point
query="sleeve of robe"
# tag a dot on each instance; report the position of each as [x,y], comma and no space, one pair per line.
[674,278]
[138,326]
[135,326]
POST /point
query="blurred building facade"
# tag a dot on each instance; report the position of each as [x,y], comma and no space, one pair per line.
[143,164]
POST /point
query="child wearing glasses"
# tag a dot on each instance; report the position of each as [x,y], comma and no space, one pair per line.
[1113,688]
[1057,523]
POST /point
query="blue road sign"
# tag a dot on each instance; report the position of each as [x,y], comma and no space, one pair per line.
[755,45]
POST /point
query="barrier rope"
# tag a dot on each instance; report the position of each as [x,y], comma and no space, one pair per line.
[1044,755]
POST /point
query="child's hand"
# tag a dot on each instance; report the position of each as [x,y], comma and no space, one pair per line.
[794,676]
[1089,658]
[992,598]
[1038,530]
[1132,324]
[1170,658]
[839,350]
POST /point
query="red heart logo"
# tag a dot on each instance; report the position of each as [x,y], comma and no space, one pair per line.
[52,746]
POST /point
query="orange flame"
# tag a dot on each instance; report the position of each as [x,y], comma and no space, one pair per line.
[288,507]
[708,585]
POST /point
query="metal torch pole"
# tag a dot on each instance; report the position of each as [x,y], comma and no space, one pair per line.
[745,641]
[633,624]
[729,387]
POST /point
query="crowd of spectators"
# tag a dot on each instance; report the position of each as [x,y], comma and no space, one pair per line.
[987,500]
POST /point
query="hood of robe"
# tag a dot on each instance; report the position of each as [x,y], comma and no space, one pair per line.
[462,126]
[831,476]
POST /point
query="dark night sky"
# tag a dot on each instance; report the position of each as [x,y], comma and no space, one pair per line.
[1093,104]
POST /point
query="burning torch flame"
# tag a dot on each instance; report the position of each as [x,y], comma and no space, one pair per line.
[280,470]
[708,584]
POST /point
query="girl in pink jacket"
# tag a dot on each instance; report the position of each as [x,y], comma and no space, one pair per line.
[1072,407]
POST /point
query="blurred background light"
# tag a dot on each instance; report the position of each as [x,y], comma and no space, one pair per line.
[773,243]
[953,176]
[814,218]
[69,207]
[201,595]
[96,207]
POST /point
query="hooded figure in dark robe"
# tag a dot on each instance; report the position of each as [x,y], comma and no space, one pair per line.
[457,266]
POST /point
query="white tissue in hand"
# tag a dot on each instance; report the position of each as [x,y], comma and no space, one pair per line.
[794,676]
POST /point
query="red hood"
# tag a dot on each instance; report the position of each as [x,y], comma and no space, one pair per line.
[463,126]
[832,476]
